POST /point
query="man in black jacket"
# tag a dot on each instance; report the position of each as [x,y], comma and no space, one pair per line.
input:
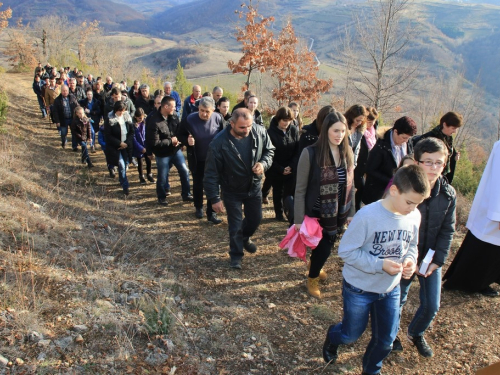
[236,161]
[63,111]
[75,90]
[161,140]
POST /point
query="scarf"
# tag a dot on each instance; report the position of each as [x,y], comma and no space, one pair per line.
[371,137]
[333,214]
[192,100]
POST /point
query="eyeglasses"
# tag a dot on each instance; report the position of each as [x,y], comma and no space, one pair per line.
[430,163]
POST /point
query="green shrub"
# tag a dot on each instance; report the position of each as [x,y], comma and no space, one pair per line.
[158,318]
[3,106]
[467,175]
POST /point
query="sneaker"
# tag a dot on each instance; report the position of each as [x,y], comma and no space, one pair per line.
[134,162]
[112,173]
[167,192]
[397,347]
[214,219]
[489,292]
[236,263]
[330,351]
[423,348]
[142,180]
[162,201]
[150,178]
[249,246]
[199,213]
[189,198]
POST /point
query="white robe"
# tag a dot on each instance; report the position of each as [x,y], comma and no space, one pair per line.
[484,216]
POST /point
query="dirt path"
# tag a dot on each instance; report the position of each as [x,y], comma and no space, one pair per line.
[90,257]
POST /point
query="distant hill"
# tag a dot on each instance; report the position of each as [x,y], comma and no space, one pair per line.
[150,7]
[111,15]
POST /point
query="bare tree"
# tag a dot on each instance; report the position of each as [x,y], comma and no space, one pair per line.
[383,38]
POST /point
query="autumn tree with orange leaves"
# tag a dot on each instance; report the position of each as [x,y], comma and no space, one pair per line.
[258,43]
[296,69]
[4,17]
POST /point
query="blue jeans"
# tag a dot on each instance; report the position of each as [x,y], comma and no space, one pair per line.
[163,169]
[42,106]
[430,298]
[122,170]
[63,131]
[241,229]
[384,311]
[85,152]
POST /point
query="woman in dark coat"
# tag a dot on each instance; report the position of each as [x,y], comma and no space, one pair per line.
[285,139]
[385,157]
[119,134]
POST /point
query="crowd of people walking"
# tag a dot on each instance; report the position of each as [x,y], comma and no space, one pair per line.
[393,192]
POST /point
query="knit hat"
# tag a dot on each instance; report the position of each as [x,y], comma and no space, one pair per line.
[405,125]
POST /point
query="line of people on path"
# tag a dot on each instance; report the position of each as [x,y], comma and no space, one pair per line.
[393,192]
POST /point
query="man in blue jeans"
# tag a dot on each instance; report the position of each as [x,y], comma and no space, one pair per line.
[161,140]
[236,161]
[377,253]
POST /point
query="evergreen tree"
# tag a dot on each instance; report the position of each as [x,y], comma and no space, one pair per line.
[182,86]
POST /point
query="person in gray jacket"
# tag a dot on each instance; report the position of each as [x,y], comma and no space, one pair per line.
[236,161]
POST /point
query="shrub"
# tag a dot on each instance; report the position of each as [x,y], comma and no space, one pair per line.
[3,106]
[467,175]
[157,315]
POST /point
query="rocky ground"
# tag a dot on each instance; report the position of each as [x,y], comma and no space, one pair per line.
[92,282]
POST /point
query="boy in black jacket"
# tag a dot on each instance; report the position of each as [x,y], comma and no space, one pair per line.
[436,233]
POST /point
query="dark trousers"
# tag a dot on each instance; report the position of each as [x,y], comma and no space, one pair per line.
[359,184]
[198,176]
[241,229]
[320,254]
[41,103]
[282,187]
[140,165]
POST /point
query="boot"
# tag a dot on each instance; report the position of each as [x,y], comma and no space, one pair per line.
[142,179]
[150,177]
[312,287]
[89,163]
[322,274]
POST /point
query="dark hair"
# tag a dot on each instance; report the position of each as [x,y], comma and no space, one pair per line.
[241,112]
[248,94]
[412,178]
[207,93]
[115,91]
[405,125]
[405,158]
[284,113]
[139,112]
[37,75]
[323,142]
[119,106]
[372,114]
[299,118]
[167,99]
[451,119]
[430,145]
[159,92]
[222,100]
[89,89]
[320,117]
[353,112]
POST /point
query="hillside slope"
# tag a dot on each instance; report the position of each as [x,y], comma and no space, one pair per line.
[82,270]
[111,15]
